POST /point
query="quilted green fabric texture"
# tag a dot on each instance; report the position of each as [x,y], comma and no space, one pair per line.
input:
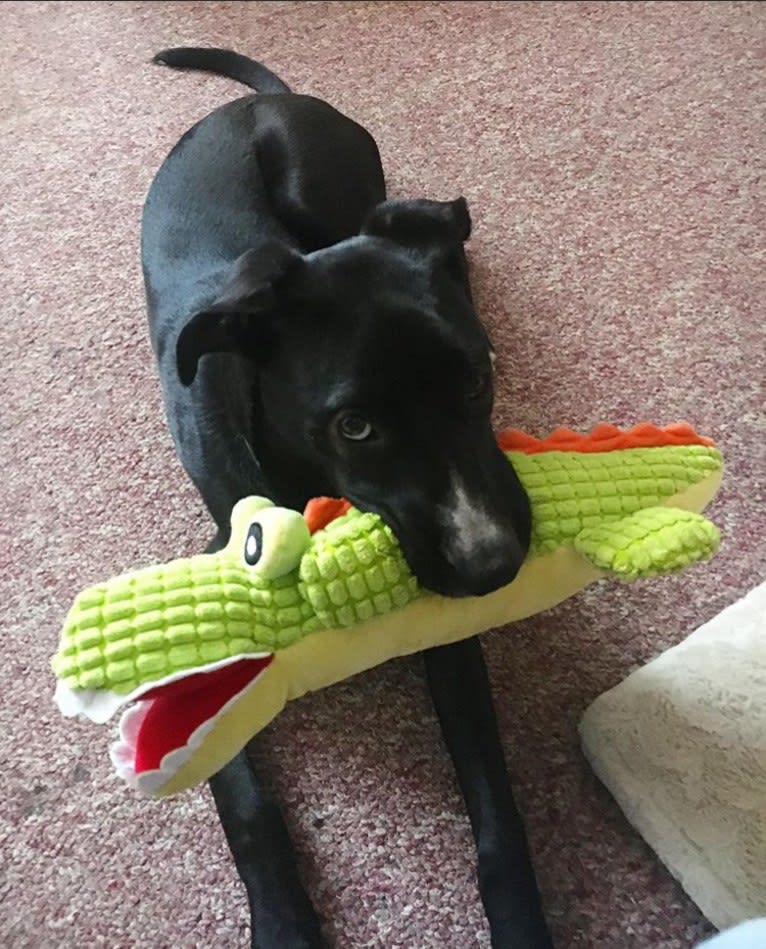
[144,626]
[572,490]
[650,542]
[355,571]
[147,625]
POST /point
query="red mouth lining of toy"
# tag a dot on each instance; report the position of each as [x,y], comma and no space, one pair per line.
[179,708]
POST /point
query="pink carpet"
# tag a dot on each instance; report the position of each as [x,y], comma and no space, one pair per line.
[611,154]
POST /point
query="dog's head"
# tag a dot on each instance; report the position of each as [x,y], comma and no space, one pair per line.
[373,381]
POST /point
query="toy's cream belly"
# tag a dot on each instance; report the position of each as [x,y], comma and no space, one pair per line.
[325,658]
[329,656]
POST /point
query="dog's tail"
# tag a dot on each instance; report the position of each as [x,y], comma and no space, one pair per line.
[226,63]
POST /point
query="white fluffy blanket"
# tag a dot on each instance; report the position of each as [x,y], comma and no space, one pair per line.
[681,744]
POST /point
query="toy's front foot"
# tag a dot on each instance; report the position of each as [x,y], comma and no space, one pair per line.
[653,541]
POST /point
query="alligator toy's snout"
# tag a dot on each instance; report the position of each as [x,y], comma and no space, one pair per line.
[181,643]
[175,642]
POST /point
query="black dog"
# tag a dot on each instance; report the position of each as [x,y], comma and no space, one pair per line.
[316,339]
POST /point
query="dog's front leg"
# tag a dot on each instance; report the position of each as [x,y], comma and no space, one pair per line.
[281,913]
[457,677]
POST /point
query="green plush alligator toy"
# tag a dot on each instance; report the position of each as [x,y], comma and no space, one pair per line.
[204,652]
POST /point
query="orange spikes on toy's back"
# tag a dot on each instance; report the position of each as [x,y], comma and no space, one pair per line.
[513,439]
[320,511]
[603,437]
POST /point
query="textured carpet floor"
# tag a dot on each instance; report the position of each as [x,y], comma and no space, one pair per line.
[611,156]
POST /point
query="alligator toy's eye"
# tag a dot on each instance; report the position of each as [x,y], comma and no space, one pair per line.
[254,544]
[275,541]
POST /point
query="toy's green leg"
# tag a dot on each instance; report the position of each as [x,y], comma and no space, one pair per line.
[653,541]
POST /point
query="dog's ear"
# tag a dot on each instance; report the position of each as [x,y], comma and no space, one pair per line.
[420,222]
[242,318]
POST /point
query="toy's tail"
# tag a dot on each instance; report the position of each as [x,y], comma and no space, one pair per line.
[226,63]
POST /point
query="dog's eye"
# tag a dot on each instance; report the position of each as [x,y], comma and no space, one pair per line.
[478,383]
[354,427]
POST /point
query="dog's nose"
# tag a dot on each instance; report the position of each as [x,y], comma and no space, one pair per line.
[463,572]
[483,540]
[486,572]
[480,568]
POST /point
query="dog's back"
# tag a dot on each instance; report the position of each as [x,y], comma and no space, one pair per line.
[273,165]
[265,168]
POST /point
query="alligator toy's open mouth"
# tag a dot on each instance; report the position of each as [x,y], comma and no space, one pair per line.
[165,725]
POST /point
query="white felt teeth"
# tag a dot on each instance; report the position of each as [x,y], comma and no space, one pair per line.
[149,782]
[123,752]
[123,755]
[99,705]
[201,732]
[131,721]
